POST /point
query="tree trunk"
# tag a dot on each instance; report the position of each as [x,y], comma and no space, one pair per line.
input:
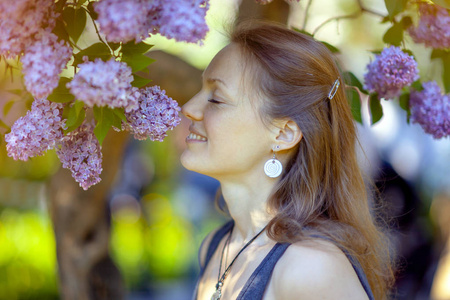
[82,231]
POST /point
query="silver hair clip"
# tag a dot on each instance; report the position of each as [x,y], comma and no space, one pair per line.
[334,89]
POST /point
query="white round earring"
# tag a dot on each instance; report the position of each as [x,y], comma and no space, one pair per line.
[273,166]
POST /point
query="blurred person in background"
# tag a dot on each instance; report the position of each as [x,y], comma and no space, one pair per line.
[272,124]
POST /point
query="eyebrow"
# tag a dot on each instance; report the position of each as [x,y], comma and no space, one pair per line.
[213,80]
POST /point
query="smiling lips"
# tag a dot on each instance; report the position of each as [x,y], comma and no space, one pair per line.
[195,137]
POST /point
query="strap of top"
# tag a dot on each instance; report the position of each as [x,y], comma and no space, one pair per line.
[256,285]
[215,241]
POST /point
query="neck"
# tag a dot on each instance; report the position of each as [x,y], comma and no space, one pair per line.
[247,204]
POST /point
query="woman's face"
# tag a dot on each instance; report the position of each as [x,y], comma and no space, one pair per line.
[227,137]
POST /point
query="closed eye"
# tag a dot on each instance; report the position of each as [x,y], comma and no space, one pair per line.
[214,101]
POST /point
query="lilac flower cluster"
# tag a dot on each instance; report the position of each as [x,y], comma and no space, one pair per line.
[157,113]
[391,71]
[80,152]
[434,26]
[43,62]
[20,21]
[123,20]
[38,131]
[183,20]
[126,20]
[431,109]
[105,84]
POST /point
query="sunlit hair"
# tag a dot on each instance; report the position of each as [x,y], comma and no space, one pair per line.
[322,191]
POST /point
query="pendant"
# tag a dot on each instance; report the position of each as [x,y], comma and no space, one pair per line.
[218,293]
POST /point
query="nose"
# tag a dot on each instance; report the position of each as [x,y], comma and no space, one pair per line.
[193,109]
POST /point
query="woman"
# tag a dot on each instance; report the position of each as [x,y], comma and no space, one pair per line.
[272,124]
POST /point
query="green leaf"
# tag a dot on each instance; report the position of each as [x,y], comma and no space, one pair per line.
[107,117]
[80,3]
[394,35]
[376,111]
[406,22]
[60,5]
[417,85]
[330,47]
[351,79]
[446,72]
[437,53]
[8,107]
[60,31]
[404,104]
[97,50]
[395,6]
[61,94]
[137,62]
[354,100]
[75,22]
[140,81]
[120,113]
[92,11]
[131,48]
[302,31]
[75,116]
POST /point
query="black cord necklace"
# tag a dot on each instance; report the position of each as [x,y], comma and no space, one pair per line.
[220,279]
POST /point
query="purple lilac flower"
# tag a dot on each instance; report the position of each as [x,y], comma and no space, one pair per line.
[80,152]
[42,63]
[38,131]
[157,113]
[182,20]
[124,20]
[434,27]
[20,21]
[391,71]
[105,84]
[431,109]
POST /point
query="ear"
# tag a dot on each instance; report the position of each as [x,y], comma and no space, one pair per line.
[288,134]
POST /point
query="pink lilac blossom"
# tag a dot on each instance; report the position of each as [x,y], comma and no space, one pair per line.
[21,20]
[80,152]
[105,84]
[157,113]
[434,27]
[38,131]
[391,71]
[42,63]
[430,108]
[124,20]
[182,20]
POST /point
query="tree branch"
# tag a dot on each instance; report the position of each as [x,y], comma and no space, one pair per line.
[98,33]
[354,15]
[305,18]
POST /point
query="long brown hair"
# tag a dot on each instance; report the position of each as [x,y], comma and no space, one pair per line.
[322,189]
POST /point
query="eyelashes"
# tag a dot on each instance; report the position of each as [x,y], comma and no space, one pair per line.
[214,101]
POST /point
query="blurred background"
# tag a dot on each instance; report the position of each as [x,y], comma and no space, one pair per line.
[158,213]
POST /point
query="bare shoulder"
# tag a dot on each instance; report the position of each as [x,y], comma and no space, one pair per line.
[316,269]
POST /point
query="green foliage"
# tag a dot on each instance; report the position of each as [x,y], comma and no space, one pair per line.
[75,115]
[404,104]
[139,81]
[105,118]
[61,94]
[75,20]
[137,62]
[394,35]
[394,7]
[97,50]
[376,110]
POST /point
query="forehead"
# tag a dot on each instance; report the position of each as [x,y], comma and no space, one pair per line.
[227,65]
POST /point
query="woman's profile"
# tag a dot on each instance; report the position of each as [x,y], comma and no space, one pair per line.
[273,125]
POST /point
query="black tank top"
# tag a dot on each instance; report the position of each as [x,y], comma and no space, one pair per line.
[256,285]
